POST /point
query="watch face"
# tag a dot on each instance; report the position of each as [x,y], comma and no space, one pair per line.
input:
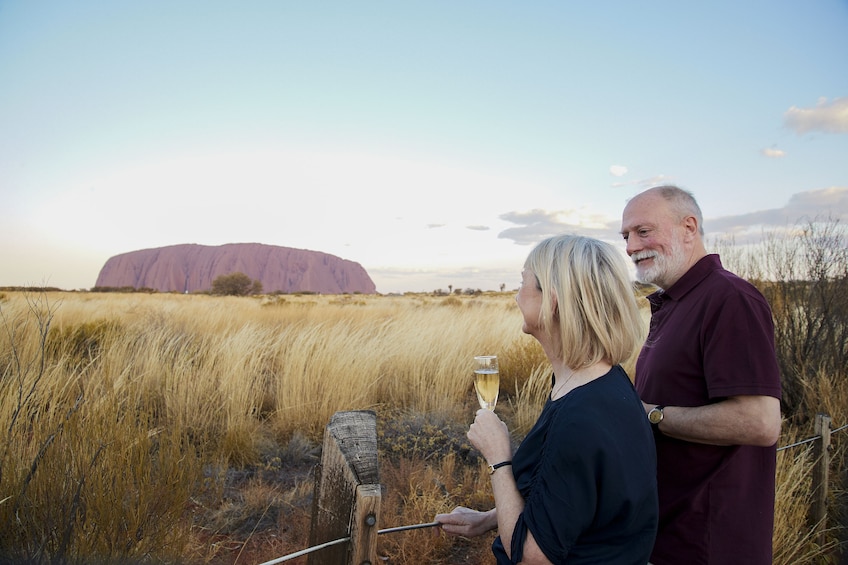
[655,416]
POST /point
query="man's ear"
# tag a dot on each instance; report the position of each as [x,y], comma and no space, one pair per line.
[690,227]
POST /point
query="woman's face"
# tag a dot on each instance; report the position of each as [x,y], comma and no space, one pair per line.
[529,299]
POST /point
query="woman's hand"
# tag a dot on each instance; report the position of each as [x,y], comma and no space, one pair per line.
[490,436]
[466,522]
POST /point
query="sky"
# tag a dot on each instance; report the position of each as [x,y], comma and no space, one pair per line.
[433,142]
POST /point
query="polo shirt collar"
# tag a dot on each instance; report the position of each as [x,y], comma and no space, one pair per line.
[690,279]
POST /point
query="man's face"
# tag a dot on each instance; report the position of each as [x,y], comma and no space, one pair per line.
[655,240]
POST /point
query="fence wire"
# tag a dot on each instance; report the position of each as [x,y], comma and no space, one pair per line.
[811,439]
[434,524]
[346,539]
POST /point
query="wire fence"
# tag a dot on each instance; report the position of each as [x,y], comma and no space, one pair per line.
[435,524]
[344,540]
[811,439]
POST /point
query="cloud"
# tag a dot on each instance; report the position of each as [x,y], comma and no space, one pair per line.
[618,170]
[772,153]
[833,201]
[646,182]
[803,206]
[478,228]
[434,226]
[828,117]
[536,225]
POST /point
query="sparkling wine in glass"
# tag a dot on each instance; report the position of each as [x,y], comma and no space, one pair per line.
[486,380]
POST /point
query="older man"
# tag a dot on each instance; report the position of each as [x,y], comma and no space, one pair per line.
[709,380]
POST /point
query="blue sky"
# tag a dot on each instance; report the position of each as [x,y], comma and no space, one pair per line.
[432,142]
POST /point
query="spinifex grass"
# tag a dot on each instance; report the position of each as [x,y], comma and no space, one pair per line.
[184,428]
[86,470]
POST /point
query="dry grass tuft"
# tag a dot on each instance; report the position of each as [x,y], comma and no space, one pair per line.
[415,491]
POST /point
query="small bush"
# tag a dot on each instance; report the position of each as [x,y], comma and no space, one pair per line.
[235,284]
[425,435]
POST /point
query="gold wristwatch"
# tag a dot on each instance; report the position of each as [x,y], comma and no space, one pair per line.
[655,415]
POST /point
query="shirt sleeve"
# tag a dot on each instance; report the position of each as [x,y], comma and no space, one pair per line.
[738,342]
[564,497]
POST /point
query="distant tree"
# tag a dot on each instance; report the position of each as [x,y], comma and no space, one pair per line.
[235,284]
[256,287]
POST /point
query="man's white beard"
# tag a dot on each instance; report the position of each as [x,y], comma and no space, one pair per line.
[664,267]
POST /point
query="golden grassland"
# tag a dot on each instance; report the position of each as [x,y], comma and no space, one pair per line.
[184,428]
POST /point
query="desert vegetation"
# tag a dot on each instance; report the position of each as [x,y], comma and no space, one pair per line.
[172,428]
[236,284]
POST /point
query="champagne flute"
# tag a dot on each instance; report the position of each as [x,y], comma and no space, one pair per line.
[486,380]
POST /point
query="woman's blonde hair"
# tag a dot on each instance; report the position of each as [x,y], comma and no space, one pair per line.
[586,290]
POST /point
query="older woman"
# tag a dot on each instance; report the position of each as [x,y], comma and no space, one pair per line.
[581,488]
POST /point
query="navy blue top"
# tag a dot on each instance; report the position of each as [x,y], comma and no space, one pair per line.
[587,473]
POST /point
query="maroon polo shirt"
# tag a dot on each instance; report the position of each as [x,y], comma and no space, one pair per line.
[711,337]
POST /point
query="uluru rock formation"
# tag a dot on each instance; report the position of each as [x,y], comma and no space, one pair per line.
[191,267]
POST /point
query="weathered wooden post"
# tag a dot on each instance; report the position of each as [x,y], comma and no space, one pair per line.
[346,498]
[817,517]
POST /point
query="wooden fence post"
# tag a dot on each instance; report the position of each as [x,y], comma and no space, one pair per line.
[363,525]
[346,500]
[817,517]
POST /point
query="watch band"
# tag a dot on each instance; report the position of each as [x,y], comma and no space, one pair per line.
[496,466]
